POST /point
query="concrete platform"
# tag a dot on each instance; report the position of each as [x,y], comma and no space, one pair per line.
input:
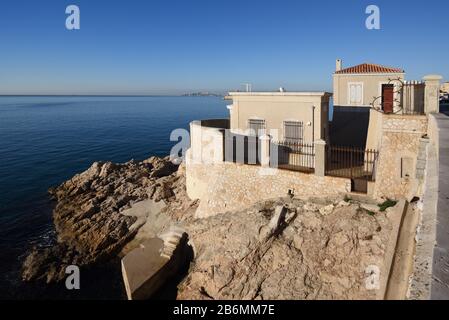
[140,268]
[147,268]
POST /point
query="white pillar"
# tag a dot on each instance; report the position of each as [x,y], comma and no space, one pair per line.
[320,158]
[196,141]
[265,150]
[231,117]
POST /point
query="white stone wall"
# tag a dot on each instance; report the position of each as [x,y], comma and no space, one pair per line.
[228,186]
[206,143]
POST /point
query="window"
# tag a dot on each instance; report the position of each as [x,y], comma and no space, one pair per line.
[355,93]
[293,131]
[256,127]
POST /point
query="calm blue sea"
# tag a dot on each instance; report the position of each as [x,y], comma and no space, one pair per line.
[46,140]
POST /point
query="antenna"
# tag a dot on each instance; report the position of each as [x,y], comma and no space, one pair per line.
[248,87]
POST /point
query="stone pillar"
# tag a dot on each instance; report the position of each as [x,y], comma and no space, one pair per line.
[320,158]
[265,141]
[432,93]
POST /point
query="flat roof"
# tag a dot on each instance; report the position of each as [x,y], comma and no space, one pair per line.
[274,93]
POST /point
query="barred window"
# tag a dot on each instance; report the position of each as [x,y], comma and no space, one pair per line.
[256,127]
[293,131]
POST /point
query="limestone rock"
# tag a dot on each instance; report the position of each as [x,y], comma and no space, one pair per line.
[274,224]
[327,209]
[343,203]
[309,256]
[369,207]
[89,219]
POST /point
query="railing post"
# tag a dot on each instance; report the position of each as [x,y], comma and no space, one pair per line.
[265,150]
[320,158]
[351,161]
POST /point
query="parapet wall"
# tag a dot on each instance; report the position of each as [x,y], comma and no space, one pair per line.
[400,144]
[421,281]
[229,186]
[207,140]
[431,275]
[416,124]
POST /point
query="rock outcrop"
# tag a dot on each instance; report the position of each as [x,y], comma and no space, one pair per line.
[279,249]
[287,249]
[89,219]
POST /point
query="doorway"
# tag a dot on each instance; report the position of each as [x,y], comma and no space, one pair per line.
[387,98]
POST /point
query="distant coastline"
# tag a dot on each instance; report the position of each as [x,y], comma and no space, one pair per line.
[113,95]
[202,94]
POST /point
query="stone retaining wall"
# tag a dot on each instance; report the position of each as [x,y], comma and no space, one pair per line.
[228,186]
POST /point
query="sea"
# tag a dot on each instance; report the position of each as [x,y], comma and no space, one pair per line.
[45,140]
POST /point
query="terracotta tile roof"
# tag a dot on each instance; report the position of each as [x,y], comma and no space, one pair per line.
[369,68]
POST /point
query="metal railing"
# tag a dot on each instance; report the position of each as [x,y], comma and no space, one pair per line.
[294,156]
[413,97]
[350,162]
[242,149]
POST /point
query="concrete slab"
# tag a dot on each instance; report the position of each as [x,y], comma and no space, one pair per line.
[147,268]
[151,220]
[143,210]
[140,268]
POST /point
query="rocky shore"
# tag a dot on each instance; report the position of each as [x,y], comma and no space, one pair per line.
[279,249]
[89,220]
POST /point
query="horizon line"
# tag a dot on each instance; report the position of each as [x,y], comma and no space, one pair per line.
[107,95]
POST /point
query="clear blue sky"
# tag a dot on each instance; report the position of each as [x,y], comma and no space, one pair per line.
[169,47]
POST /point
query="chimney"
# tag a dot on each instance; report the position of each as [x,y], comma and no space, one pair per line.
[338,65]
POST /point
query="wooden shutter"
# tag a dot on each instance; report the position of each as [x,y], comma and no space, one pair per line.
[356,94]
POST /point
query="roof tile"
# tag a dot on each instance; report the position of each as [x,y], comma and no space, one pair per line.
[369,68]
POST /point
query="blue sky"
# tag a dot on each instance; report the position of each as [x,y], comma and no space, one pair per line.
[169,47]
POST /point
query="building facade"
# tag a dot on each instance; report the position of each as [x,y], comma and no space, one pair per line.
[366,85]
[357,91]
[294,116]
